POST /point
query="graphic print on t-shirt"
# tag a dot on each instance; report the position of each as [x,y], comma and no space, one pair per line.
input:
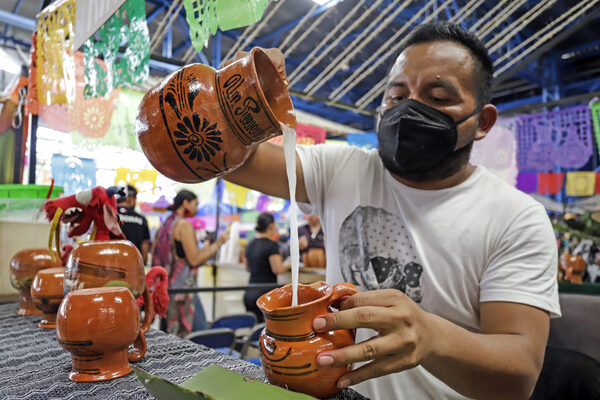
[378,252]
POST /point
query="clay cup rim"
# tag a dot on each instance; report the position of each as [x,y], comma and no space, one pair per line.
[320,286]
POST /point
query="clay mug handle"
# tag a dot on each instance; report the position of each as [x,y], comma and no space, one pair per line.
[340,291]
[148,310]
[139,348]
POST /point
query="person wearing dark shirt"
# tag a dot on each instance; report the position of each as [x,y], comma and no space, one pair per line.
[135,225]
[310,241]
[263,261]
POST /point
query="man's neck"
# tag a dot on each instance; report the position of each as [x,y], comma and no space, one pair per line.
[451,181]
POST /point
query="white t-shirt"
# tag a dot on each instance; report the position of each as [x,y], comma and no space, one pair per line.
[449,249]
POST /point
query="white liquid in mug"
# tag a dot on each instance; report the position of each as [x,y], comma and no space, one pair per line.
[289,150]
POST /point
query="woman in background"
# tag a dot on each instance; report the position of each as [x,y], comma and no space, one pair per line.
[263,261]
[175,248]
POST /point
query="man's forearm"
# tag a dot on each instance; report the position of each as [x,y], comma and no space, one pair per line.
[145,247]
[483,366]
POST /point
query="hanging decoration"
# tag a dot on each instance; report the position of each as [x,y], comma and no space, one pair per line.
[497,151]
[32,105]
[7,156]
[143,180]
[527,182]
[204,16]
[554,139]
[56,116]
[581,183]
[55,64]
[306,135]
[550,183]
[238,195]
[595,110]
[126,69]
[91,117]
[202,20]
[73,174]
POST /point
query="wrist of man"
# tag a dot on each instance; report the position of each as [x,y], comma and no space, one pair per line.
[433,333]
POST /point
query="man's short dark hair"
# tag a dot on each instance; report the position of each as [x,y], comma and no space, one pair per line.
[131,191]
[443,30]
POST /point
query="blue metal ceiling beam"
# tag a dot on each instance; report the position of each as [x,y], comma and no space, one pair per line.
[595,45]
[216,49]
[14,11]
[154,13]
[17,20]
[182,27]
[565,33]
[276,33]
[363,122]
[15,42]
[185,34]
[167,44]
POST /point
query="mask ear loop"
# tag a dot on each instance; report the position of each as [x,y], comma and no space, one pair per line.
[475,112]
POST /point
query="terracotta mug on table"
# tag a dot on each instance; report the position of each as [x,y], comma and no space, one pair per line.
[109,263]
[24,265]
[200,123]
[47,294]
[97,326]
[288,345]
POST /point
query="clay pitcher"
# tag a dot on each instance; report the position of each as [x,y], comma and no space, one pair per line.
[109,263]
[47,293]
[97,326]
[200,123]
[289,346]
[24,265]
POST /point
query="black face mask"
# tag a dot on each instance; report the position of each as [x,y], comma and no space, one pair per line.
[414,137]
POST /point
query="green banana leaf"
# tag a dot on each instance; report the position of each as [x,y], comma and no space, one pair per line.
[215,383]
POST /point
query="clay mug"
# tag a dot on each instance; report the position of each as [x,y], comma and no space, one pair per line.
[573,267]
[289,346]
[97,326]
[200,123]
[24,265]
[109,263]
[47,293]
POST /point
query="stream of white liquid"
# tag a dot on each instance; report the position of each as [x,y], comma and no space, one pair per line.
[289,150]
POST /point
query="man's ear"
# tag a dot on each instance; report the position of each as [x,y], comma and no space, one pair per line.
[487,118]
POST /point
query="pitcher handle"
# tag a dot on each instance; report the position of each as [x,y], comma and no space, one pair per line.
[139,348]
[148,310]
[340,291]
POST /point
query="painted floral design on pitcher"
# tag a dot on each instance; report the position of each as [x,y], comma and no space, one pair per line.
[200,141]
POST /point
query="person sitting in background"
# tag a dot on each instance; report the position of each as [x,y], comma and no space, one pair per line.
[263,261]
[135,225]
[175,248]
[311,243]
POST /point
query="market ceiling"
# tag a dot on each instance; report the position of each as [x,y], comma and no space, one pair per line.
[338,52]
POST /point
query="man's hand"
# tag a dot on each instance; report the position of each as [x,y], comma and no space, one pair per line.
[404,339]
[223,238]
[501,362]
